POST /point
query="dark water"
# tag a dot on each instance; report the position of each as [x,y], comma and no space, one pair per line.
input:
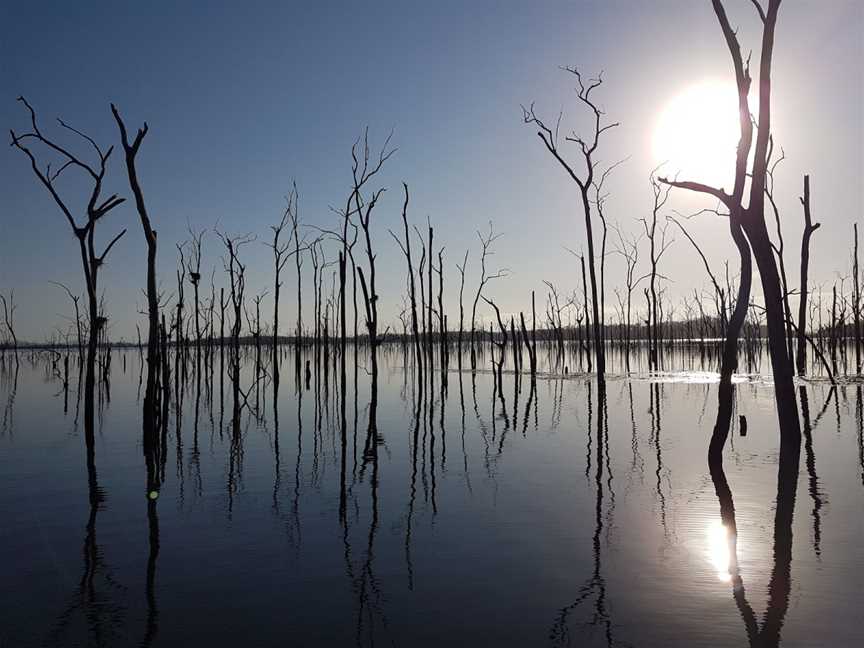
[469,517]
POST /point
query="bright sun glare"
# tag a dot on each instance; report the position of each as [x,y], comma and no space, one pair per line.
[718,550]
[697,133]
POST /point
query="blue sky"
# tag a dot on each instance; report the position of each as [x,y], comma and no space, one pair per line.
[243,98]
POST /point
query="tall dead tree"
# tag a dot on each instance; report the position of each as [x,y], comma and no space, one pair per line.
[628,248]
[530,343]
[431,298]
[752,217]
[442,318]
[193,269]
[298,264]
[809,228]
[282,252]
[236,281]
[588,148]
[657,245]
[237,288]
[131,151]
[486,242]
[370,295]
[96,209]
[363,169]
[780,246]
[412,290]
[856,298]
[9,319]
[461,269]
[600,197]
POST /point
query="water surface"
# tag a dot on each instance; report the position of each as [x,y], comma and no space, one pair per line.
[463,515]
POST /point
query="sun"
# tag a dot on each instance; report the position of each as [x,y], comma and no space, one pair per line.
[697,132]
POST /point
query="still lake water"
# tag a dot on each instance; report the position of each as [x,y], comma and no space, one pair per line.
[510,519]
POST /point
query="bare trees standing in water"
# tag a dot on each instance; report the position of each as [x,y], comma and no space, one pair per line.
[97,207]
[585,182]
[749,221]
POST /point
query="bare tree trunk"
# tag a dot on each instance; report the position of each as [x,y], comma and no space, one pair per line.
[856,301]
[151,398]
[729,361]
[429,352]
[809,228]
[753,217]
[412,290]
[9,319]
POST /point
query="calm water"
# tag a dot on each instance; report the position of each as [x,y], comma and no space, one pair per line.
[520,518]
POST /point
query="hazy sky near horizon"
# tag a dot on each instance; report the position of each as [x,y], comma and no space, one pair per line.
[243,98]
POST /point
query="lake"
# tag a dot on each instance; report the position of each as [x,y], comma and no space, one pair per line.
[460,514]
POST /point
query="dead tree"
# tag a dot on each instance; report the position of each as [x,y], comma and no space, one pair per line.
[420,268]
[96,209]
[530,343]
[298,264]
[718,291]
[628,248]
[779,247]
[657,245]
[502,344]
[180,306]
[362,171]
[600,197]
[554,308]
[281,254]
[364,207]
[856,299]
[752,218]
[485,251]
[431,299]
[585,182]
[319,264]
[412,290]
[75,298]
[809,228]
[442,318]
[585,308]
[9,319]
[236,282]
[131,151]
[193,269]
[237,287]
[461,269]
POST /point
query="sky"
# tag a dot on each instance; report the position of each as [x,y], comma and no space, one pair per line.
[242,99]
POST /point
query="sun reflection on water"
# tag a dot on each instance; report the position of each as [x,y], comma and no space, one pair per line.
[718,550]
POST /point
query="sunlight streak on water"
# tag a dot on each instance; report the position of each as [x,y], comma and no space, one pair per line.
[718,549]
